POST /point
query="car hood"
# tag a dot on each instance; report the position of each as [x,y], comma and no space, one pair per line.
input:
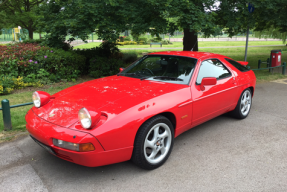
[109,95]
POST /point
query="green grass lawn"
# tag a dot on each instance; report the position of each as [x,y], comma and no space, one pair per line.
[18,114]
[179,44]
[25,96]
[254,54]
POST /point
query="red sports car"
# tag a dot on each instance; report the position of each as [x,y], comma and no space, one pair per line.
[137,113]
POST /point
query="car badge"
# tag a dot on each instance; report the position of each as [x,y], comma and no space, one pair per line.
[51,115]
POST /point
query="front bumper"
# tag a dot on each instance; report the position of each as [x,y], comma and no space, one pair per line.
[44,132]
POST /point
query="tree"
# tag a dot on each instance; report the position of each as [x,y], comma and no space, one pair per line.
[193,17]
[272,32]
[81,17]
[110,17]
[19,13]
[269,17]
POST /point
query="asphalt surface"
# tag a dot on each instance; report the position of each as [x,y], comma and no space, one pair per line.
[223,154]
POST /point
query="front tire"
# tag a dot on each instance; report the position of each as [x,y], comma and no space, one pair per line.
[153,143]
[244,105]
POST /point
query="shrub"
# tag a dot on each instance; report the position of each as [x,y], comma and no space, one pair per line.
[128,58]
[64,64]
[127,43]
[38,64]
[8,84]
[88,54]
[127,38]
[121,38]
[102,66]
[156,39]
[165,42]
[142,39]
[36,41]
[106,49]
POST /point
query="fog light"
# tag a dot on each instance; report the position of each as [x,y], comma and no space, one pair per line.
[83,147]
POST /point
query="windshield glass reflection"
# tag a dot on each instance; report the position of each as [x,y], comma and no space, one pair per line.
[173,69]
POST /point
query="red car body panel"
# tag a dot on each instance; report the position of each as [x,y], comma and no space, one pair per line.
[125,104]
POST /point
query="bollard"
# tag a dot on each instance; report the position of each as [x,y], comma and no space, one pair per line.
[284,68]
[269,61]
[6,114]
[259,64]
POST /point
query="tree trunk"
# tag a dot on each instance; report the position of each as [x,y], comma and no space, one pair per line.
[190,40]
[30,32]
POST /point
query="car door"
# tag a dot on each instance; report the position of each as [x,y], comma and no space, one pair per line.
[215,99]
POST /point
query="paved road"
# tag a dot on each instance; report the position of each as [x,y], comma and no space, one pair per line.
[223,154]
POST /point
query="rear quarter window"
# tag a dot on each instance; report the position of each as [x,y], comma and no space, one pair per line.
[237,65]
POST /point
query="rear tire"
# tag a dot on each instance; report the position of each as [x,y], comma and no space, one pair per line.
[153,143]
[243,106]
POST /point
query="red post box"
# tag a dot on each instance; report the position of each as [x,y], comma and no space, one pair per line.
[275,58]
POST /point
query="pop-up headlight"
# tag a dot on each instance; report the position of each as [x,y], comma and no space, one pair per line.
[88,118]
[40,98]
[85,118]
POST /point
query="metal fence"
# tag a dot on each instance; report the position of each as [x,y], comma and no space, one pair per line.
[12,34]
[7,35]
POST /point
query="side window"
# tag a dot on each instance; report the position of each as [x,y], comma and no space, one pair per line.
[212,68]
[237,65]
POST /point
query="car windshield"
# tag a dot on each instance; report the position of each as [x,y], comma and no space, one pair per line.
[172,69]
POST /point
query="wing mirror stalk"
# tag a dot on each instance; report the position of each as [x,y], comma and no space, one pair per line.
[207,81]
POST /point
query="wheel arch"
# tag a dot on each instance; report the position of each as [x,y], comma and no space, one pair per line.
[170,117]
[252,90]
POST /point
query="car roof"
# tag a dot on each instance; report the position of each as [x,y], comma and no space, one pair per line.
[193,54]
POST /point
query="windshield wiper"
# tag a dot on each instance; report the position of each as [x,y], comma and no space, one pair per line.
[168,78]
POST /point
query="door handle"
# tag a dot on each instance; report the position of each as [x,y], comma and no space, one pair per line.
[233,80]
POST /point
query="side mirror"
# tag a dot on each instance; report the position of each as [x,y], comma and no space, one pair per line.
[244,63]
[121,69]
[207,81]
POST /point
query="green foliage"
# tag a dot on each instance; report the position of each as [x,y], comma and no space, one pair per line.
[127,43]
[165,42]
[156,39]
[129,58]
[142,39]
[102,66]
[127,38]
[271,33]
[8,84]
[106,50]
[36,41]
[267,15]
[15,13]
[39,64]
[109,18]
[106,59]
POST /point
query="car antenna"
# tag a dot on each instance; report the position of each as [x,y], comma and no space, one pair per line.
[194,45]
